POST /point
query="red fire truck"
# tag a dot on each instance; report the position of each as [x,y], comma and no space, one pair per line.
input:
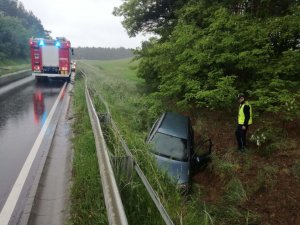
[51,58]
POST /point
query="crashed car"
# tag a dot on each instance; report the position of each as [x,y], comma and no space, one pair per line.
[172,144]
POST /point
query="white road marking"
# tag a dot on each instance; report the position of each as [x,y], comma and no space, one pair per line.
[15,192]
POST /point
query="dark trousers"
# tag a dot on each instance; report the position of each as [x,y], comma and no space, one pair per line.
[241,136]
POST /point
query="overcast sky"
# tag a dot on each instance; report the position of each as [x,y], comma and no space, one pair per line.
[83,22]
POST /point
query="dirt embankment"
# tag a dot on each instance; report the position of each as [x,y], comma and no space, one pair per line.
[271,182]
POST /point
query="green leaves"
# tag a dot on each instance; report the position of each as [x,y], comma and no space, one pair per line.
[221,96]
[16,27]
[156,16]
[12,37]
[216,50]
[277,96]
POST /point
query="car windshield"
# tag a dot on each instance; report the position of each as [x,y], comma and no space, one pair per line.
[170,146]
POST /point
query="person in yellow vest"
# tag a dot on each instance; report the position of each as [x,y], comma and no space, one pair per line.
[244,120]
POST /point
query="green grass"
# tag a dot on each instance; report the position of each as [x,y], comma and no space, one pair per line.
[10,66]
[87,203]
[118,68]
[223,168]
[228,208]
[235,192]
[265,179]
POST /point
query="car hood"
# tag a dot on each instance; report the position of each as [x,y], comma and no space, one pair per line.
[176,170]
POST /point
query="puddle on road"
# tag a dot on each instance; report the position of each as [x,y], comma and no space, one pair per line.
[22,114]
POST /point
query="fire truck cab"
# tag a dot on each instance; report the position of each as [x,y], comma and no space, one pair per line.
[51,58]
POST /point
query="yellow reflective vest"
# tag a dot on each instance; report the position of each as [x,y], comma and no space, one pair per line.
[241,115]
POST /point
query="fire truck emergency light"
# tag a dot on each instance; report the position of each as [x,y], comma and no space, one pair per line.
[57,44]
[41,43]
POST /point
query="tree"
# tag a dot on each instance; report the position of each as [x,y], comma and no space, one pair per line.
[16,27]
[214,51]
[12,38]
[157,16]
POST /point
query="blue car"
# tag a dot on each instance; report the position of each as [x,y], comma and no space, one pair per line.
[172,144]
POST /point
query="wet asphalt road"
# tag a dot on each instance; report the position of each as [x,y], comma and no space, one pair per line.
[22,114]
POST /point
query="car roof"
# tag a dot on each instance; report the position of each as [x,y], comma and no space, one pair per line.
[174,124]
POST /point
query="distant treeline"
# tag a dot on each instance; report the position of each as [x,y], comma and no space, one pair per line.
[102,53]
[17,25]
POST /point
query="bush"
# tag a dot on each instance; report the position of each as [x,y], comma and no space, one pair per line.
[269,139]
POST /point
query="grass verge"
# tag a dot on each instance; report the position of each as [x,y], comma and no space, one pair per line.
[87,202]
[10,66]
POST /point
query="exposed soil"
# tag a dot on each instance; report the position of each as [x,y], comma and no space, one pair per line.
[273,189]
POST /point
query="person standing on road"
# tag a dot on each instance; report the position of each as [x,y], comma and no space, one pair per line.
[244,120]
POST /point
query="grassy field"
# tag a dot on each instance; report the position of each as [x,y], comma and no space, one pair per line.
[13,66]
[235,189]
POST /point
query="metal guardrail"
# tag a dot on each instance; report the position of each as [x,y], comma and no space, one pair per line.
[137,168]
[113,202]
[144,179]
